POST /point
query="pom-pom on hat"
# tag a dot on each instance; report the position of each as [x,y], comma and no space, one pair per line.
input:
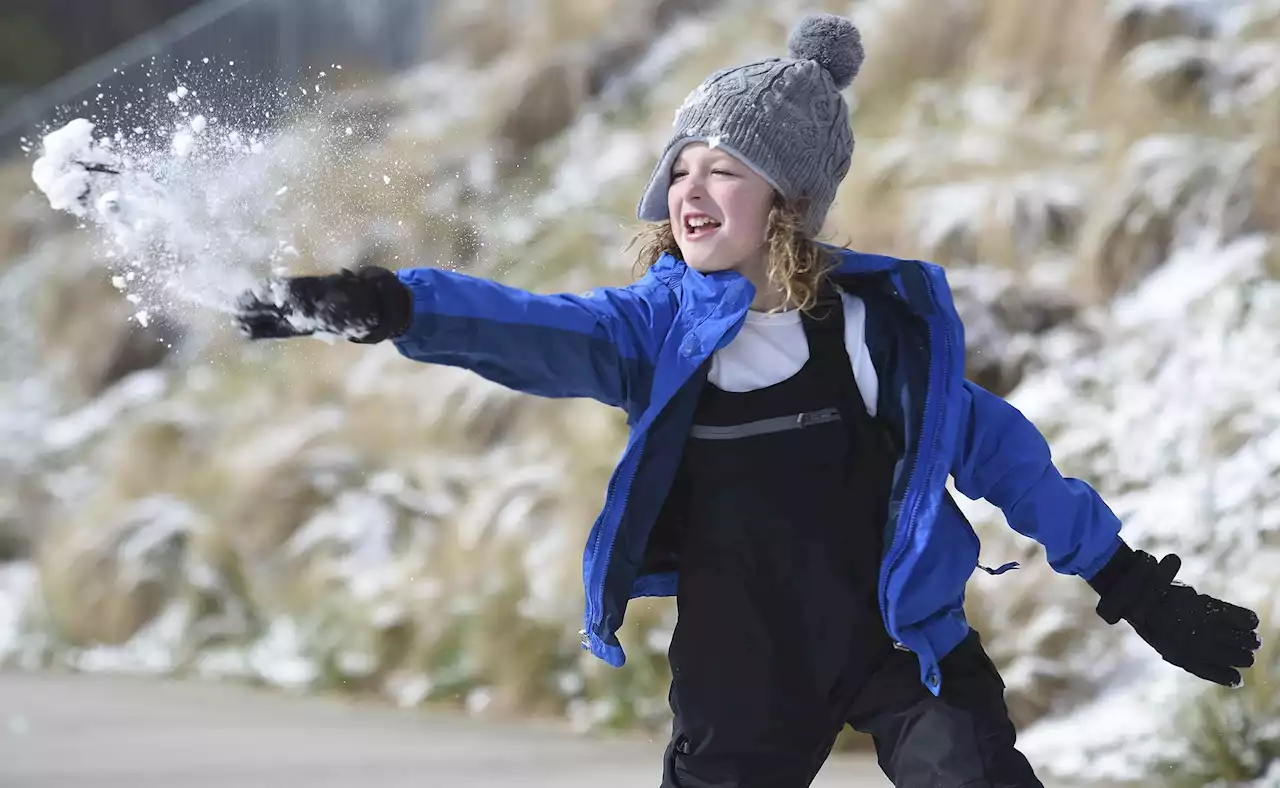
[783,117]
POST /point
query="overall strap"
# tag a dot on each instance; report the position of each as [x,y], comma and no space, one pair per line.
[824,330]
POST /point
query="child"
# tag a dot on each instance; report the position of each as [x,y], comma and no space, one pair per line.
[795,411]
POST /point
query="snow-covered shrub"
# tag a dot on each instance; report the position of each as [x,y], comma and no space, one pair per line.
[107,575]
[1169,190]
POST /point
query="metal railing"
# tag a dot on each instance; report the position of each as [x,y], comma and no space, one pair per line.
[270,41]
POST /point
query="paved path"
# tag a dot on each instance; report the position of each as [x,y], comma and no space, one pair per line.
[69,731]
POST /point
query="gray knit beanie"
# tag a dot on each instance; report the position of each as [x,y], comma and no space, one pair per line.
[783,117]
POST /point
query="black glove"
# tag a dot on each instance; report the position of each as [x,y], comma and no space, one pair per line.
[366,307]
[1202,635]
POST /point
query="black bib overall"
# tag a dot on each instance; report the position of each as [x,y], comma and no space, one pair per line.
[778,517]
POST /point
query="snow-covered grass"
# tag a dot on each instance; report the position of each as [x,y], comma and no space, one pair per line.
[1185,367]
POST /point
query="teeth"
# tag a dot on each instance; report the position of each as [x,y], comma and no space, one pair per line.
[701,221]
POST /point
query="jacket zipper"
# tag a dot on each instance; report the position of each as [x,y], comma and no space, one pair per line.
[895,555]
[915,464]
[608,554]
[592,612]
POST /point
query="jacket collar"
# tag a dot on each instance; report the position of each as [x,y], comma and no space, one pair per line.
[849,261]
[852,262]
[710,289]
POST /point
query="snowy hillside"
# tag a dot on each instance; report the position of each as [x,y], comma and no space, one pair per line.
[1102,180]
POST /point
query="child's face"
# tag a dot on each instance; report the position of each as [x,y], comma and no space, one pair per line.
[719,210]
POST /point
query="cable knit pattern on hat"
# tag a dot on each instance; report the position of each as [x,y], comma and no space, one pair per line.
[783,117]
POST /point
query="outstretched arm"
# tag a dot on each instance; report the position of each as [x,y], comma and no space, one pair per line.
[599,345]
[1002,457]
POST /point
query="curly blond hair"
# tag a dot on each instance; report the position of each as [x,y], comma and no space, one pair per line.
[795,262]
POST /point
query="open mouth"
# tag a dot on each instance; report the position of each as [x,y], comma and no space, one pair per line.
[699,226]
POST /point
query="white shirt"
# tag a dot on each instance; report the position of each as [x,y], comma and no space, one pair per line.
[772,347]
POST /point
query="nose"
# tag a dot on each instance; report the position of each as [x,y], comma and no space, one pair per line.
[695,186]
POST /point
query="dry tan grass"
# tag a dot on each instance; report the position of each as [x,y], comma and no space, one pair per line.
[1266,187]
[1064,56]
[919,41]
[1042,51]
[1128,231]
[479,34]
[80,591]
[97,592]
[79,351]
[1049,49]
[868,215]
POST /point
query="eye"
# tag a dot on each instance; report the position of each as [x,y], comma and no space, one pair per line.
[678,174]
[730,173]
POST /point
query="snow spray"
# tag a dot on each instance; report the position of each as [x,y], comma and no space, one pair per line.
[188,208]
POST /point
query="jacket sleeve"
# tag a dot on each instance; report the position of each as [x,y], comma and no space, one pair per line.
[599,345]
[1002,457]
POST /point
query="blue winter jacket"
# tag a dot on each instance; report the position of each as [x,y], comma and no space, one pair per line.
[641,347]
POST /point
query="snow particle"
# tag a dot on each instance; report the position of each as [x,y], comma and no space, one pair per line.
[183,144]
